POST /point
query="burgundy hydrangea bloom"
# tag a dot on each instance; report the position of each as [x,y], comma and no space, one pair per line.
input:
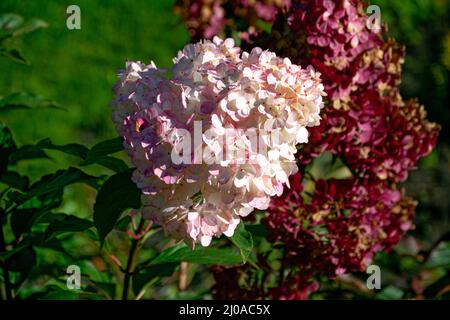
[339,230]
[204,18]
[207,18]
[378,137]
[343,225]
[367,124]
[340,225]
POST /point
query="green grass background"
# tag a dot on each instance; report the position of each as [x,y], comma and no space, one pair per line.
[77,68]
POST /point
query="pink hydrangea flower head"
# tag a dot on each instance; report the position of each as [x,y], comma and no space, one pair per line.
[217,139]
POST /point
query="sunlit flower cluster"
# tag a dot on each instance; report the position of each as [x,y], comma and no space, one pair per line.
[200,189]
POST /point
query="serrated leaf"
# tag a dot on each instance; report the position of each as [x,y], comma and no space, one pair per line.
[202,255]
[243,240]
[117,194]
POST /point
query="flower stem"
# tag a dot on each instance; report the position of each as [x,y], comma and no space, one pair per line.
[8,287]
[182,283]
[130,263]
[281,272]
[129,268]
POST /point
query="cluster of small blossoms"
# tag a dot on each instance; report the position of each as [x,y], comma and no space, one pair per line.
[339,230]
[368,126]
[216,140]
[343,225]
[207,18]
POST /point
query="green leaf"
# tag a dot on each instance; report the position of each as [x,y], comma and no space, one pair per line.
[29,26]
[33,211]
[48,200]
[151,275]
[390,293]
[103,149]
[36,151]
[16,27]
[51,217]
[89,157]
[328,166]
[112,163]
[59,180]
[57,292]
[15,180]
[257,230]
[17,197]
[54,182]
[243,240]
[7,146]
[440,257]
[123,223]
[203,255]
[117,194]
[5,255]
[60,295]
[69,223]
[13,54]
[27,152]
[10,21]
[23,100]
[23,262]
[73,149]
[23,219]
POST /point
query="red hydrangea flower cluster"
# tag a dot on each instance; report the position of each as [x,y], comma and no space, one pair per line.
[207,18]
[345,223]
[366,124]
[376,133]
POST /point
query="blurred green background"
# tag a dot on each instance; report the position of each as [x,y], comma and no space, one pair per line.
[77,68]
